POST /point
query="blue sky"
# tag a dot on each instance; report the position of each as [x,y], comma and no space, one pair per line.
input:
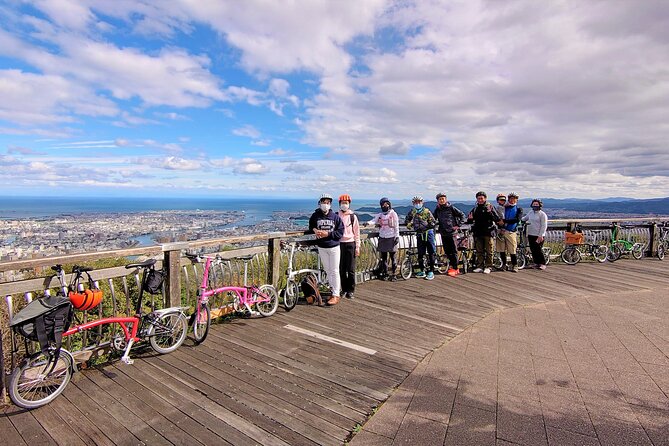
[371,98]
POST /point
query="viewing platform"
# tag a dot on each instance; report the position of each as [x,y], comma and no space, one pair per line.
[570,355]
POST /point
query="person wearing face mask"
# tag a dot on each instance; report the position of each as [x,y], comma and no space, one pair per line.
[508,241]
[329,229]
[421,220]
[449,218]
[483,216]
[349,246]
[389,238]
[536,232]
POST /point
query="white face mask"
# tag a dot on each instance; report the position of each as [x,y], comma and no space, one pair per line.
[325,207]
[343,207]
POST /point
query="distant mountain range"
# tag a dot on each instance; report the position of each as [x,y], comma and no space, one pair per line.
[564,207]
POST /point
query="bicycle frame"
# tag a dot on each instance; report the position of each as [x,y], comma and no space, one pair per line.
[292,274]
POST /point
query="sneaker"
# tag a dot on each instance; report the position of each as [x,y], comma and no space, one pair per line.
[542,267]
[393,278]
[453,272]
[515,269]
[420,274]
[478,270]
[429,276]
[349,295]
[486,271]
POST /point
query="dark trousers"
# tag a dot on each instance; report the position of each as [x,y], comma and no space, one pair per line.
[384,263]
[347,266]
[535,248]
[425,243]
[448,243]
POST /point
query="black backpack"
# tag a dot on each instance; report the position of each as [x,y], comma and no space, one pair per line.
[154,281]
[44,320]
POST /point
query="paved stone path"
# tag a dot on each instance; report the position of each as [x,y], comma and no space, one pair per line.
[581,371]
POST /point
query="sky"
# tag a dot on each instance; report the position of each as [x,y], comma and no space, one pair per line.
[294,98]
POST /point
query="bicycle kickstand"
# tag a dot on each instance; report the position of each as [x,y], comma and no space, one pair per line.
[126,354]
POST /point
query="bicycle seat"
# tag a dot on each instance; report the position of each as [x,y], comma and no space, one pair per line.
[82,269]
[246,258]
[145,264]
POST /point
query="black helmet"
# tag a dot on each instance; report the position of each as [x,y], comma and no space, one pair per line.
[383,200]
[481,194]
[440,194]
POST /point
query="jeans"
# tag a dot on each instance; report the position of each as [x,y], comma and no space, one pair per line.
[330,260]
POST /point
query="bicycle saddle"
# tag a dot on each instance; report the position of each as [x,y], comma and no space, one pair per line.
[246,258]
[144,264]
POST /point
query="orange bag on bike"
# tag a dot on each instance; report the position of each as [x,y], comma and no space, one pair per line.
[573,238]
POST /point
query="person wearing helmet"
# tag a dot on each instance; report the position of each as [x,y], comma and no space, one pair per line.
[449,218]
[349,246]
[389,238]
[507,240]
[483,217]
[421,220]
[536,232]
[329,229]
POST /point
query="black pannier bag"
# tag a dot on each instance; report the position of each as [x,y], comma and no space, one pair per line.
[154,281]
[44,320]
[310,289]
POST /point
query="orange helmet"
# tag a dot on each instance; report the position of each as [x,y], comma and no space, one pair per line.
[345,197]
[86,300]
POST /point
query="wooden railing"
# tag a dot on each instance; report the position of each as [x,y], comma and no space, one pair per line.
[268,266]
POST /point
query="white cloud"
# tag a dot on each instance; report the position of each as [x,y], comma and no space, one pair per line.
[248,130]
[176,163]
[249,166]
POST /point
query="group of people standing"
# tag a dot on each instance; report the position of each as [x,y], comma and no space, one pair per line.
[493,226]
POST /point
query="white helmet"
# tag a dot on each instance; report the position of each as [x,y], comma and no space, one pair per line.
[325,197]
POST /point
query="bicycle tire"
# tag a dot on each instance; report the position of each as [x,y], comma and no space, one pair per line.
[290,295]
[521,259]
[268,308]
[406,269]
[614,253]
[443,264]
[201,323]
[36,383]
[465,262]
[570,255]
[600,253]
[660,252]
[637,251]
[497,261]
[547,254]
[168,332]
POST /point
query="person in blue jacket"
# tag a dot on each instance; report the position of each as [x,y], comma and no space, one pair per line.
[329,229]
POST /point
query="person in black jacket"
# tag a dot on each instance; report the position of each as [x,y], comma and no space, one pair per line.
[329,229]
[449,218]
[483,216]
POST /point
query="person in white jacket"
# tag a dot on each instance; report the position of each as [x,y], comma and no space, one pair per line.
[536,232]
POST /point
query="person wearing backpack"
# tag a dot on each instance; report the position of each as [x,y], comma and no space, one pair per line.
[421,220]
[349,246]
[508,239]
[329,228]
[449,218]
[483,216]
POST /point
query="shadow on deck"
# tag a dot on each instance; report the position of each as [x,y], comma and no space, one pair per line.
[305,377]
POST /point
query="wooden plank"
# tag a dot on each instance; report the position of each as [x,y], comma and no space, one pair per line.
[10,435]
[30,430]
[49,419]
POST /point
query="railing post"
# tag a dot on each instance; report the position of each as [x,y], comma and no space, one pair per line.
[274,257]
[652,246]
[172,265]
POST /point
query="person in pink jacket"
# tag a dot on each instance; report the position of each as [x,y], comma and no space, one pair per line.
[349,245]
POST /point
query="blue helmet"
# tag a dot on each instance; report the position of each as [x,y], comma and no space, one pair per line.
[384,200]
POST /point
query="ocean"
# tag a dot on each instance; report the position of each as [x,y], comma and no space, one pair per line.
[255,210]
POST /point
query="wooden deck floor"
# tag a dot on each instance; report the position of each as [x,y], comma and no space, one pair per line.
[307,377]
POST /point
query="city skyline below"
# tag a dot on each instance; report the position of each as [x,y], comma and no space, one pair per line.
[373,98]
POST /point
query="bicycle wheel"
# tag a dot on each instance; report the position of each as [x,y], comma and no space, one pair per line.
[660,252]
[497,261]
[521,260]
[600,253]
[637,251]
[38,381]
[168,332]
[268,294]
[201,323]
[547,254]
[465,262]
[290,295]
[406,269]
[614,253]
[570,255]
[443,264]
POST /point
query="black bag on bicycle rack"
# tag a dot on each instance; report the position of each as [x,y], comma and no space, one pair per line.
[153,283]
[44,320]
